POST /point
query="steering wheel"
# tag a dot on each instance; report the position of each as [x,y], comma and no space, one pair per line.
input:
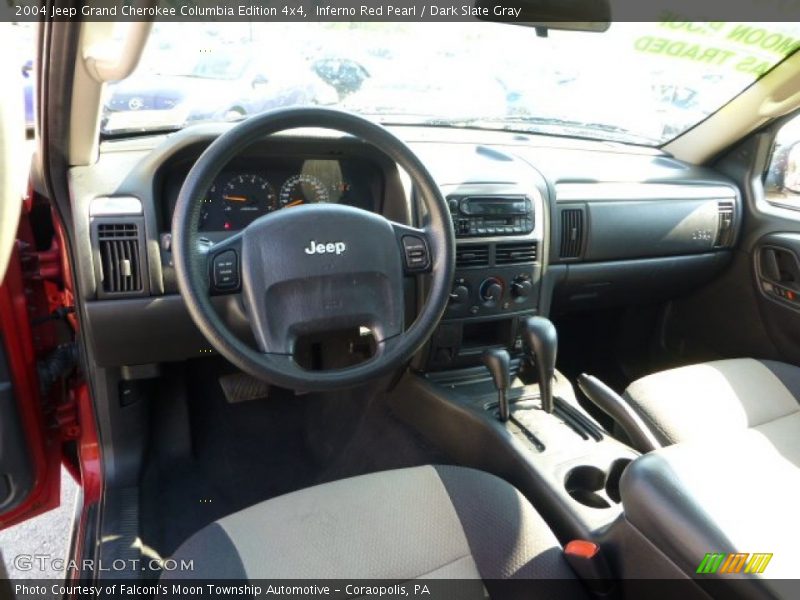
[315,268]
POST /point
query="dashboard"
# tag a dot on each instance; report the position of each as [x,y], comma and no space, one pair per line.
[543,226]
[252,187]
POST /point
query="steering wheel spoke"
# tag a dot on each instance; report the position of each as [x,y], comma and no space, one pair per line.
[415,248]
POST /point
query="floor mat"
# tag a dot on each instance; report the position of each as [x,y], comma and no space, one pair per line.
[247,452]
[369,437]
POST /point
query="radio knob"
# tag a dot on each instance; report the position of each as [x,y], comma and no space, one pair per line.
[491,291]
[521,288]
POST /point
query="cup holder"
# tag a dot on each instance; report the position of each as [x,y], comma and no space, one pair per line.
[585,484]
[614,475]
[594,487]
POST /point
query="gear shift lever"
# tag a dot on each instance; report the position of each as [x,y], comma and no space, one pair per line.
[541,340]
[498,361]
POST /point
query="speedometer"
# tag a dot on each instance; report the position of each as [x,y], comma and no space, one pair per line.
[302,189]
[246,197]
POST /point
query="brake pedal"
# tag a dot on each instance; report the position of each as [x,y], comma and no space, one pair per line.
[241,387]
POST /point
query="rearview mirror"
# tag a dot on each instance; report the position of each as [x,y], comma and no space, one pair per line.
[791,171]
[570,15]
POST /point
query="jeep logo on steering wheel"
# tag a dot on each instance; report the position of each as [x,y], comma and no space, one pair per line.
[327,248]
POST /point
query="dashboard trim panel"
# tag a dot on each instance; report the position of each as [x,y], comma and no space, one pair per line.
[584,192]
[115,206]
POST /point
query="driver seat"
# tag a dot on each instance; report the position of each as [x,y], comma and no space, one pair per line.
[429,522]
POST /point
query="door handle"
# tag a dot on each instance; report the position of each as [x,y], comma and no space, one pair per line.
[779,274]
[769,264]
[780,265]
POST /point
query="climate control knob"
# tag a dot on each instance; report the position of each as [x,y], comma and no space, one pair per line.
[521,288]
[491,291]
[459,295]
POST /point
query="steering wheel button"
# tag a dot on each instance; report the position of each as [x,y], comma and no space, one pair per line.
[416,253]
[226,271]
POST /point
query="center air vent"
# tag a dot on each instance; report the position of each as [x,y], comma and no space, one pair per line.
[571,233]
[520,252]
[725,231]
[472,255]
[120,262]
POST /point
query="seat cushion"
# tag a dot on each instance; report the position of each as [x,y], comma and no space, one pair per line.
[713,399]
[432,521]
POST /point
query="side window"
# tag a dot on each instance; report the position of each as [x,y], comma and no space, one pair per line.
[21,51]
[782,183]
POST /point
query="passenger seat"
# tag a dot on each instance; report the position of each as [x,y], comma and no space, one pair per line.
[711,399]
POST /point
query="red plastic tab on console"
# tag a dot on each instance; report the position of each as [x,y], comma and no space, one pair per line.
[582,549]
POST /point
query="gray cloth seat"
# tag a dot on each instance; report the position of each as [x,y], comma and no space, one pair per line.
[724,397]
[436,522]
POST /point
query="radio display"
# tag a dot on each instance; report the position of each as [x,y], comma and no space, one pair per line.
[494,206]
[488,208]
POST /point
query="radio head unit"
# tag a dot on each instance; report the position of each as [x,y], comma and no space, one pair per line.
[477,216]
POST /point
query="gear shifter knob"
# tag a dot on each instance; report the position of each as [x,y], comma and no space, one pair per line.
[541,339]
[498,361]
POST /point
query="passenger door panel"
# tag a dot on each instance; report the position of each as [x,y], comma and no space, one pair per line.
[772,242]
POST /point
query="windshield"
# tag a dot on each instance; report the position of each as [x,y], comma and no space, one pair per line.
[218,66]
[641,83]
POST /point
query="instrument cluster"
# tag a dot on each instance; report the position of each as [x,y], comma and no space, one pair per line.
[237,198]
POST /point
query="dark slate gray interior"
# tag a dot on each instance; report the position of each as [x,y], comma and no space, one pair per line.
[643,262]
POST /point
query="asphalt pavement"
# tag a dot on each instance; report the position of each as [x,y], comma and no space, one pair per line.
[46,535]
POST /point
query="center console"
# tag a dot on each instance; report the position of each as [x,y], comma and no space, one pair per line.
[500,246]
[487,391]
[612,508]
[519,418]
[567,465]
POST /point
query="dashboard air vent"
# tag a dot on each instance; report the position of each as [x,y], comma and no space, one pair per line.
[121,270]
[571,232]
[725,229]
[520,252]
[472,255]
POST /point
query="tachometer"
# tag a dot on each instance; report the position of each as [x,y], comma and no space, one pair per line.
[246,197]
[302,189]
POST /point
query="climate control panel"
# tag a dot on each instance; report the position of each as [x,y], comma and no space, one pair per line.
[504,290]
